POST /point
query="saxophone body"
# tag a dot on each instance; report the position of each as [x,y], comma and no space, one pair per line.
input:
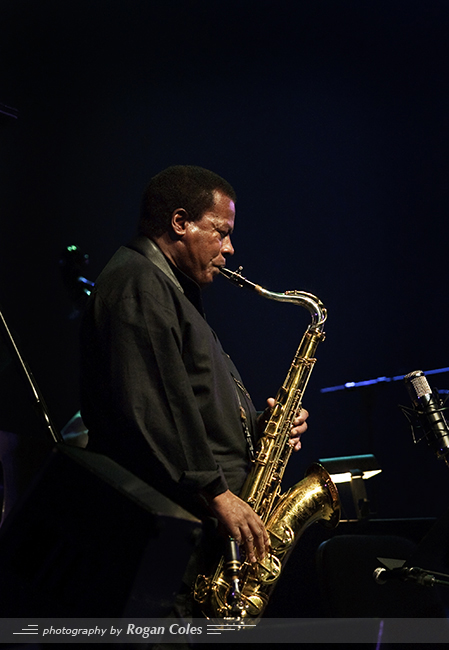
[286,516]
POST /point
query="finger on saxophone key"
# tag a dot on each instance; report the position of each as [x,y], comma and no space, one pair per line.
[299,426]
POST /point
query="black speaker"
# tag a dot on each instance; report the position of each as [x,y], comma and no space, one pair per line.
[89,539]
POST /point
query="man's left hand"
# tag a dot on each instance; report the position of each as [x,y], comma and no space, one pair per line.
[299,425]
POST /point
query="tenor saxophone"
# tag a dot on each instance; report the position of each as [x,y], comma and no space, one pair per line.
[244,594]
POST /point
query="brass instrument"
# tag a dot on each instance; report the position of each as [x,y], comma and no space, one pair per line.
[285,516]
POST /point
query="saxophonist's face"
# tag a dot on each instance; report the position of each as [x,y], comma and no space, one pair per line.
[205,242]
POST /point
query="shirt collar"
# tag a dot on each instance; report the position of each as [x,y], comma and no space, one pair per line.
[186,285]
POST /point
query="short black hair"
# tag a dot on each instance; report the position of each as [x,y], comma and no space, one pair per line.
[179,186]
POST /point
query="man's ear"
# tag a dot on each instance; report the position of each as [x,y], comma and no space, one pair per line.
[179,220]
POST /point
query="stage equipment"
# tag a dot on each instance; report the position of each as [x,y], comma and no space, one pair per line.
[346,564]
[27,432]
[8,111]
[73,264]
[86,540]
[285,516]
[350,385]
[36,395]
[427,417]
[352,471]
[398,571]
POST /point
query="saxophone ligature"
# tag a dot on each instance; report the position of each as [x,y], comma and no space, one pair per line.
[285,516]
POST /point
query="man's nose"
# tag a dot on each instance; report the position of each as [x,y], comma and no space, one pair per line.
[227,248]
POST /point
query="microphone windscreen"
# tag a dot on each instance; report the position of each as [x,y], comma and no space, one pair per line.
[417,385]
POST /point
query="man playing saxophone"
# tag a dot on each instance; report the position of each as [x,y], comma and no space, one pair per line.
[158,393]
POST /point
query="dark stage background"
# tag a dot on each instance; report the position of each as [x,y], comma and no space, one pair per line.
[331,121]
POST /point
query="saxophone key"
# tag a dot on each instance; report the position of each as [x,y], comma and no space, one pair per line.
[268,570]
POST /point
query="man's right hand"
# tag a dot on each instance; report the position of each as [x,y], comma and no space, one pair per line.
[241,523]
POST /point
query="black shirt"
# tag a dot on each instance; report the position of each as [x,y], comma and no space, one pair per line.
[158,393]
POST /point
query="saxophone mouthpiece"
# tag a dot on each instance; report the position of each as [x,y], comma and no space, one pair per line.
[237,278]
[231,275]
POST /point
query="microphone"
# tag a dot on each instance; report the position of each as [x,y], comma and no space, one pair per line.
[428,413]
[414,574]
[382,575]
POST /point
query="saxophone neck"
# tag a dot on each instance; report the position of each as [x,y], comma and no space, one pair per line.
[313,304]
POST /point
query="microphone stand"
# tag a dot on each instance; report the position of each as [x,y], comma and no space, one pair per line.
[36,394]
[436,581]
